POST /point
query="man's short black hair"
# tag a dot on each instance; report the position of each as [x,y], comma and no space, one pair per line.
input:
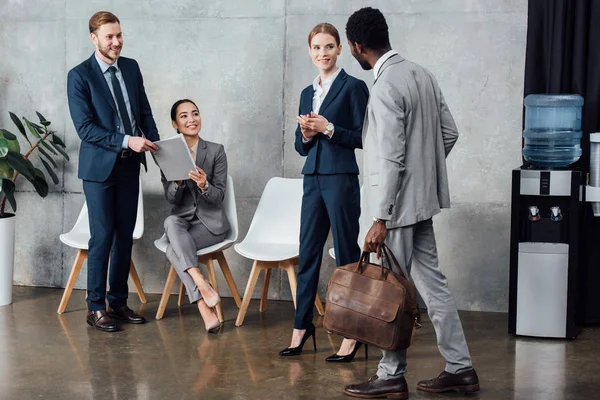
[367,27]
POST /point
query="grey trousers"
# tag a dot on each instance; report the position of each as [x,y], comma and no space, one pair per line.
[185,239]
[415,248]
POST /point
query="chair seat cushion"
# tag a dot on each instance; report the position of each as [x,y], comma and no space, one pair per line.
[267,251]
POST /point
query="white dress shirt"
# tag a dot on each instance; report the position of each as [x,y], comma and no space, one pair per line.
[381,60]
[321,89]
[104,68]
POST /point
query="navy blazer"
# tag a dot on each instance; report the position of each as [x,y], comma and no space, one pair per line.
[344,106]
[95,117]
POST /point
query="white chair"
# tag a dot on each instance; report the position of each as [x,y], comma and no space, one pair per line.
[207,256]
[273,239]
[78,238]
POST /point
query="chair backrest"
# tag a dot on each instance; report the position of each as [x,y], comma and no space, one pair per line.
[231,210]
[277,217]
[82,225]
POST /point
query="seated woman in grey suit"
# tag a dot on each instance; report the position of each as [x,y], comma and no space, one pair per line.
[197,219]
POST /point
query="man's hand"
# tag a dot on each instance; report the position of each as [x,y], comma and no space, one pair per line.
[306,131]
[375,238]
[199,177]
[140,145]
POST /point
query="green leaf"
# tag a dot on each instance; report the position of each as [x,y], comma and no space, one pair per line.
[17,122]
[21,164]
[19,125]
[41,130]
[7,135]
[58,141]
[40,184]
[5,170]
[31,128]
[48,156]
[61,151]
[8,188]
[40,116]
[50,171]
[3,147]
[50,148]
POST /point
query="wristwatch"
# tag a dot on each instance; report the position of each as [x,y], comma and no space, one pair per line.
[329,129]
[205,187]
[375,219]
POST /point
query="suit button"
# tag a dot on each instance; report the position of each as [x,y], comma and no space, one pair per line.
[118,127]
[194,204]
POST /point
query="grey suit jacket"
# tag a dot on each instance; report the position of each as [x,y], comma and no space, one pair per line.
[407,134]
[189,199]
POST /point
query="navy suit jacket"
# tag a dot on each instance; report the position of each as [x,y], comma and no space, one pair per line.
[94,114]
[344,106]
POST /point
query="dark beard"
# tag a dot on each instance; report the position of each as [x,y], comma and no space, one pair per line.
[105,53]
[364,64]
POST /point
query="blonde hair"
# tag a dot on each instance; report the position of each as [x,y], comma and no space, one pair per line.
[101,18]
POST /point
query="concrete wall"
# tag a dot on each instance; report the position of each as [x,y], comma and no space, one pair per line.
[245,64]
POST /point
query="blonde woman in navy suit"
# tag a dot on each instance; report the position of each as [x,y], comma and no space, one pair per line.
[332,110]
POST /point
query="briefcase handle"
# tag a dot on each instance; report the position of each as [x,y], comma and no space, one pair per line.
[386,255]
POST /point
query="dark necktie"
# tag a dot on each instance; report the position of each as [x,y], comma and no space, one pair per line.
[120,101]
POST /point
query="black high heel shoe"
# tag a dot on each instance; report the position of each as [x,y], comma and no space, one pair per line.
[294,351]
[349,357]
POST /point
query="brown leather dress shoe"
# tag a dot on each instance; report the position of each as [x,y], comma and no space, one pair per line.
[376,388]
[101,321]
[466,382]
[126,314]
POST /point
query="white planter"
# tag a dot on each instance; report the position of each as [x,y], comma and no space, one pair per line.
[7,258]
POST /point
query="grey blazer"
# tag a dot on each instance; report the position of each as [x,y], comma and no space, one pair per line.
[189,199]
[407,134]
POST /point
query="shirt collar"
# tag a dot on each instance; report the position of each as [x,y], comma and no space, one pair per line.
[328,82]
[382,60]
[194,148]
[104,66]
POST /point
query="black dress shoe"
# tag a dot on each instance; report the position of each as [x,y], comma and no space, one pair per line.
[101,321]
[126,314]
[376,388]
[466,382]
[348,357]
[294,351]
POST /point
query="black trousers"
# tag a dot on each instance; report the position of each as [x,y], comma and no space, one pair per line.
[328,202]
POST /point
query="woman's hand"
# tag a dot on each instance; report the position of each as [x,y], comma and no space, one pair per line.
[316,122]
[199,177]
[306,131]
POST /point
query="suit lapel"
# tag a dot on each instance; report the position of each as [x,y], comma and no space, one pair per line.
[101,81]
[129,78]
[337,85]
[306,102]
[201,153]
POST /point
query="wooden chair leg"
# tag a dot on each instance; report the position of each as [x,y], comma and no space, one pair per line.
[136,281]
[248,293]
[79,259]
[265,290]
[319,305]
[212,277]
[181,294]
[228,277]
[289,267]
[166,293]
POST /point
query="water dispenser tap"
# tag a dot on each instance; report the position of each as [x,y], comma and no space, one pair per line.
[534,213]
[555,214]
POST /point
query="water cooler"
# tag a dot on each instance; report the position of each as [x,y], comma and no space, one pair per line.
[547,214]
[546,217]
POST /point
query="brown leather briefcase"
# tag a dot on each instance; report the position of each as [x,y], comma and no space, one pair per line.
[372,303]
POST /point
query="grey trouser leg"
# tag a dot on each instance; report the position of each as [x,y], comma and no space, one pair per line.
[185,239]
[415,248]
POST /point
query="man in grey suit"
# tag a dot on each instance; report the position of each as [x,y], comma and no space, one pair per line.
[407,134]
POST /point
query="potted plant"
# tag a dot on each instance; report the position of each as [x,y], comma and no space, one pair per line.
[43,143]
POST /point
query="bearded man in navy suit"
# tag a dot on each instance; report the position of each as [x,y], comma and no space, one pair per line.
[112,116]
